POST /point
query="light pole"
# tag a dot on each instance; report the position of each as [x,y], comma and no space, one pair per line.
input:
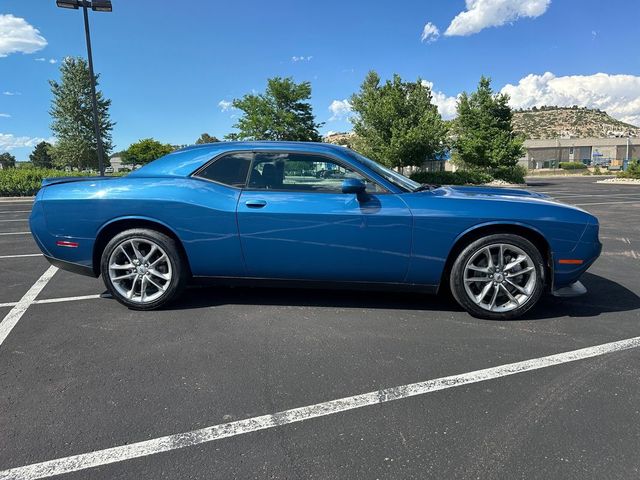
[96,6]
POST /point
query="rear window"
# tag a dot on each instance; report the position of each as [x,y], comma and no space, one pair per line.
[229,170]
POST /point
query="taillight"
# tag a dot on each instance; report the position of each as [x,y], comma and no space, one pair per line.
[65,243]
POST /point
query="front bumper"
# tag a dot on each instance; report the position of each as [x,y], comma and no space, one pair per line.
[574,290]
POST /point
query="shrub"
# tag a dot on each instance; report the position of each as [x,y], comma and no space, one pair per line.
[461,177]
[513,174]
[572,165]
[17,182]
[632,171]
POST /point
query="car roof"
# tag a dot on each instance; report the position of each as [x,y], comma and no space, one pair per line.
[183,162]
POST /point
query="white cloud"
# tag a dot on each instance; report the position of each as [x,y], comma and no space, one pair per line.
[301,59]
[16,35]
[40,59]
[446,105]
[11,94]
[339,109]
[481,14]
[52,61]
[8,142]
[430,33]
[618,95]
[5,115]
[225,105]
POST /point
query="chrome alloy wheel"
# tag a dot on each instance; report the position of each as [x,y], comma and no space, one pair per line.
[500,277]
[140,270]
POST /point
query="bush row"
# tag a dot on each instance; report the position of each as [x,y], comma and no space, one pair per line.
[632,171]
[18,182]
[471,177]
[572,165]
[461,177]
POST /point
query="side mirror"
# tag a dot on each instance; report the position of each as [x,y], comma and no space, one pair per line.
[353,185]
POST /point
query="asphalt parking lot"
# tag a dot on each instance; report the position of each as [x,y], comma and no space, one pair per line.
[80,374]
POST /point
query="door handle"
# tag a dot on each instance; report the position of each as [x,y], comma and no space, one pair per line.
[255,203]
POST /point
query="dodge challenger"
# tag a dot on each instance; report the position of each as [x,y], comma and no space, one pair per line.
[289,213]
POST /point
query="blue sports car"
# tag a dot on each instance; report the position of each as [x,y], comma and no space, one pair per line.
[310,214]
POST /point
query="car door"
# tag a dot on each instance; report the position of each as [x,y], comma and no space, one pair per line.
[295,222]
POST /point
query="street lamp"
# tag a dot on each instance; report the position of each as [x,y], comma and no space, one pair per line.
[96,6]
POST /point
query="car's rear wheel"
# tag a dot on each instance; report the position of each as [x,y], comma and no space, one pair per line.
[143,269]
[499,277]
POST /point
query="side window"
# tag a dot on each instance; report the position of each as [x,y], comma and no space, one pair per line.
[229,169]
[302,173]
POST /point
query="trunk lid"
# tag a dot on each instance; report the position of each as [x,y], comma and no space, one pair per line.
[55,180]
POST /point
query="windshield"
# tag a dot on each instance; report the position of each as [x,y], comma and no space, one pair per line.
[399,180]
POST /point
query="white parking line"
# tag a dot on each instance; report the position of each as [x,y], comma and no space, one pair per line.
[216,432]
[602,195]
[16,220]
[22,256]
[628,253]
[15,211]
[612,202]
[15,314]
[626,240]
[59,299]
[15,233]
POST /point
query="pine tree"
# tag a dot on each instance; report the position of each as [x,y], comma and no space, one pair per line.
[7,160]
[40,156]
[206,138]
[72,114]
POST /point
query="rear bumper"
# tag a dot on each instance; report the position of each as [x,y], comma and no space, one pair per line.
[78,259]
[71,267]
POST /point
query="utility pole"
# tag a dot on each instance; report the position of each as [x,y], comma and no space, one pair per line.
[96,6]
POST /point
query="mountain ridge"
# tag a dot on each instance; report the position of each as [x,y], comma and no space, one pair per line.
[570,122]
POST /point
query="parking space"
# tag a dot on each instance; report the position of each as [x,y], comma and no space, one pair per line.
[79,373]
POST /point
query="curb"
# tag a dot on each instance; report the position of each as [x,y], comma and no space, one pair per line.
[9,199]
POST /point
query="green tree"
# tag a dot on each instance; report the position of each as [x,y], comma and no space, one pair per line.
[281,113]
[40,156]
[206,138]
[483,132]
[72,114]
[145,151]
[7,160]
[396,123]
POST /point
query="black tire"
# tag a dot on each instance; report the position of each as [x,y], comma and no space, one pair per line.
[175,261]
[477,247]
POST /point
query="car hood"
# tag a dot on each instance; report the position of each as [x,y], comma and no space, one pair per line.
[497,192]
[500,194]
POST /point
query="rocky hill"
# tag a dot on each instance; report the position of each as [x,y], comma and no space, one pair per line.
[545,123]
[340,138]
[558,122]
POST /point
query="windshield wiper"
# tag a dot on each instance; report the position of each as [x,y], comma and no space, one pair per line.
[426,186]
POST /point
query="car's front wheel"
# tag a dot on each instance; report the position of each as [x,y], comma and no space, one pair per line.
[498,277]
[143,269]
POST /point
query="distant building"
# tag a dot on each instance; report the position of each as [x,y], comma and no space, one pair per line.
[590,151]
[118,165]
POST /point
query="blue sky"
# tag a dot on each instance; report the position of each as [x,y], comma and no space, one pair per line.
[167,69]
